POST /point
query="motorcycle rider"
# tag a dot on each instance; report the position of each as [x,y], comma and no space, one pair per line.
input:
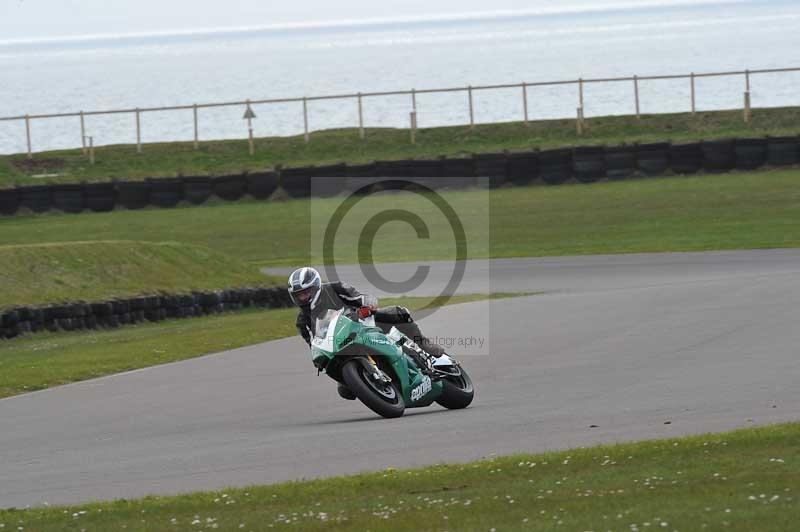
[315,298]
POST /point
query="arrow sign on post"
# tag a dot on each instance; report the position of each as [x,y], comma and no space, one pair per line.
[249,115]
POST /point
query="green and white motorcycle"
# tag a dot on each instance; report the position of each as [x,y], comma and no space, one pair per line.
[386,372]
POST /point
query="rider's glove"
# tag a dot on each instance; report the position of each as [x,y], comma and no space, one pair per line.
[365,312]
[404,314]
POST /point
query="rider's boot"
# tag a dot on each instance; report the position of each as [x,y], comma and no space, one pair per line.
[345,393]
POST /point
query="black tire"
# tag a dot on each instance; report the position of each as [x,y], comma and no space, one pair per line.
[353,375]
[458,392]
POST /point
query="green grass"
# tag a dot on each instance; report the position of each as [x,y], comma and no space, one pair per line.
[738,481]
[36,274]
[50,359]
[332,146]
[707,212]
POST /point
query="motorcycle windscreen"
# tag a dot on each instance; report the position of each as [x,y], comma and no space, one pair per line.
[326,331]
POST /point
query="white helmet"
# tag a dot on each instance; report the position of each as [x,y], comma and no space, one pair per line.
[304,285]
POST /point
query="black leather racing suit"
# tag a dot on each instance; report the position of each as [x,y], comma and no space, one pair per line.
[340,295]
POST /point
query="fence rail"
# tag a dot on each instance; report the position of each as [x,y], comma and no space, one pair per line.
[413,93]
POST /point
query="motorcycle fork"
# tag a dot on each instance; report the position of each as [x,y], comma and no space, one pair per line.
[379,373]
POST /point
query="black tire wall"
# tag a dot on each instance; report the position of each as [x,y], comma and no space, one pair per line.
[653,159]
[112,314]
[9,201]
[686,158]
[555,166]
[100,197]
[783,151]
[586,163]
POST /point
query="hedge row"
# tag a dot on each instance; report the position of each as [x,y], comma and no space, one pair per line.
[117,313]
[586,164]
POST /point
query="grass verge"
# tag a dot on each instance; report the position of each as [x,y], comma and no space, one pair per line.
[332,146]
[35,274]
[50,359]
[707,212]
[739,481]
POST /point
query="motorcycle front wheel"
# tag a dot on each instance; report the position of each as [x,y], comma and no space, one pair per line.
[457,391]
[382,398]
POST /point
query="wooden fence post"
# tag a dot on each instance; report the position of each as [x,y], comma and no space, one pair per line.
[471,109]
[83,135]
[413,117]
[28,135]
[138,132]
[361,117]
[747,109]
[196,128]
[91,149]
[306,134]
[525,101]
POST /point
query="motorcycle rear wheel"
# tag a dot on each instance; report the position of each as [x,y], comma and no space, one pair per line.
[457,392]
[385,400]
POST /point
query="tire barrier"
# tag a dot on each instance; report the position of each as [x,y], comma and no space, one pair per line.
[493,166]
[459,167]
[100,197]
[751,153]
[686,159]
[133,194]
[523,168]
[589,163]
[166,192]
[620,162]
[397,169]
[555,166]
[230,188]
[719,155]
[653,159]
[262,185]
[36,198]
[329,180]
[197,189]
[112,314]
[296,182]
[426,169]
[9,201]
[68,198]
[783,151]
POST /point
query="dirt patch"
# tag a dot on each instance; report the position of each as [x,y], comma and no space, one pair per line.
[38,166]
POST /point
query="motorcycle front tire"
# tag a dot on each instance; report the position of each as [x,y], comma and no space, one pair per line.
[354,375]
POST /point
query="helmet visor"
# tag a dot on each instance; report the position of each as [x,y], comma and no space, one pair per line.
[302,297]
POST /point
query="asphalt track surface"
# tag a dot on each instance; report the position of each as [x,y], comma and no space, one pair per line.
[614,349]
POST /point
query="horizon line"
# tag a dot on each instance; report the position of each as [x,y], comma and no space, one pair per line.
[345,24]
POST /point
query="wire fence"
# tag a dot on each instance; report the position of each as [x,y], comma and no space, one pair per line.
[87,142]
